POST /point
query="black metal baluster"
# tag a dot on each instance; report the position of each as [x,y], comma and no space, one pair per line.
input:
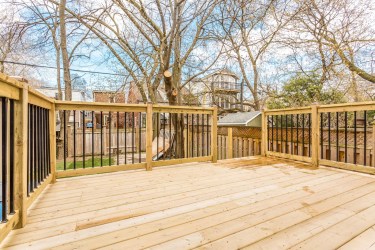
[164,120]
[286,135]
[35,182]
[92,139]
[182,135]
[291,134]
[28,149]
[269,134]
[337,137]
[346,137]
[208,135]
[49,141]
[281,134]
[303,134]
[187,135]
[364,136]
[101,138]
[140,138]
[133,131]
[64,117]
[74,141]
[329,135]
[297,117]
[83,140]
[31,145]
[157,135]
[39,146]
[4,158]
[277,133]
[321,136]
[355,137]
[43,143]
[198,135]
[192,135]
[309,135]
[126,143]
[177,128]
[273,140]
[110,138]
[203,135]
[170,136]
[118,137]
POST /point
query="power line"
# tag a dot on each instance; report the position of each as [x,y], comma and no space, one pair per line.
[52,67]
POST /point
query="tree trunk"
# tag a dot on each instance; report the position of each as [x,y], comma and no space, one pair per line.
[64,52]
[67,80]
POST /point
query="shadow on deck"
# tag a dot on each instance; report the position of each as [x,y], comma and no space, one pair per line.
[251,202]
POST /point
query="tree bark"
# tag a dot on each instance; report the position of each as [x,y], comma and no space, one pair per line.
[64,52]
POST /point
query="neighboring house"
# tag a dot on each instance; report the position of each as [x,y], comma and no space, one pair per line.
[220,88]
[52,92]
[242,119]
[77,95]
[109,97]
[134,95]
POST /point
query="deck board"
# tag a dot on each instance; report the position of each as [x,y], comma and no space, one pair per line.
[252,203]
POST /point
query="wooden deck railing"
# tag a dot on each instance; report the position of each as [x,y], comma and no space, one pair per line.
[28,146]
[94,138]
[107,137]
[339,135]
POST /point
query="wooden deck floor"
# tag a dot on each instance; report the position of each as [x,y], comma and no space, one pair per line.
[253,203]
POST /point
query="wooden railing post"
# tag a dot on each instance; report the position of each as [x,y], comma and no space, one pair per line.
[373,144]
[52,136]
[314,136]
[149,137]
[264,134]
[214,135]
[230,143]
[21,119]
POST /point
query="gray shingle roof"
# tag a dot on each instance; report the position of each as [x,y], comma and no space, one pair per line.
[240,118]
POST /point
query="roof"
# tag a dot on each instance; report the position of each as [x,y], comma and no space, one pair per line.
[240,118]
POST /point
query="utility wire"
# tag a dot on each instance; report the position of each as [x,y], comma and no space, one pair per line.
[52,67]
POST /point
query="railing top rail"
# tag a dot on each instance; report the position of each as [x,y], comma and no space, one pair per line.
[287,111]
[9,80]
[104,106]
[99,106]
[182,109]
[347,107]
[340,107]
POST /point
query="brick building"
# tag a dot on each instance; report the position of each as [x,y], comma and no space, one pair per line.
[109,97]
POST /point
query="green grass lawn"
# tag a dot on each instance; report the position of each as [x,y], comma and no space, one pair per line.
[88,163]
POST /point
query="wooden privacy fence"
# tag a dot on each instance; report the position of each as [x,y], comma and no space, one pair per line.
[339,135]
[236,142]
